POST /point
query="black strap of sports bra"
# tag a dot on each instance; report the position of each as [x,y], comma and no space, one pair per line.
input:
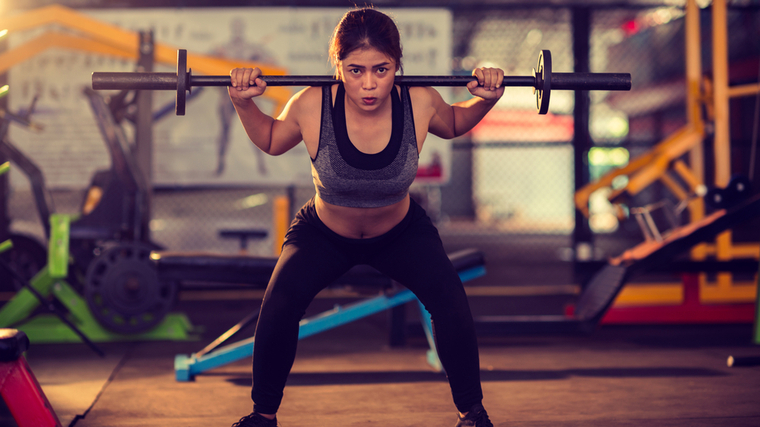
[348,150]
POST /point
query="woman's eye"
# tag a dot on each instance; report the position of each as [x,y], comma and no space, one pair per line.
[382,70]
[354,71]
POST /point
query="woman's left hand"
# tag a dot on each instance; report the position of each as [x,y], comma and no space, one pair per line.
[488,86]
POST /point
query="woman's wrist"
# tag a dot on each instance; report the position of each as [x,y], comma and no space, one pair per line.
[242,102]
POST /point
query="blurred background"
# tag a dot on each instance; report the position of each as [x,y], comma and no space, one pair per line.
[508,187]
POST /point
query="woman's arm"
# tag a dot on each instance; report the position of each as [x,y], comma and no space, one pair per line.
[272,136]
[449,121]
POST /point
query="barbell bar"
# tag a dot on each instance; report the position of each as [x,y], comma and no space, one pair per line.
[543,81]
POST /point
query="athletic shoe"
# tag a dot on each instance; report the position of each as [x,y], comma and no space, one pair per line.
[477,417]
[256,420]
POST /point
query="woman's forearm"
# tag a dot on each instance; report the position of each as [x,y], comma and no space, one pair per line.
[469,113]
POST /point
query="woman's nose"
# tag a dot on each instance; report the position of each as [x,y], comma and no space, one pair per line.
[368,82]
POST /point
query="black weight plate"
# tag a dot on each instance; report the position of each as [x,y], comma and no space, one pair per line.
[183,83]
[544,79]
[123,291]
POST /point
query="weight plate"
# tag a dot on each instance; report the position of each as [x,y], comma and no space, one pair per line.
[123,291]
[182,83]
[543,74]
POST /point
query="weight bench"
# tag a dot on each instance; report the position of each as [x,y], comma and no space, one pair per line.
[600,292]
[240,269]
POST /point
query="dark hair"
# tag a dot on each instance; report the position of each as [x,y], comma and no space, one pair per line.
[364,28]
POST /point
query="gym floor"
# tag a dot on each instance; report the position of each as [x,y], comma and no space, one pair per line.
[349,376]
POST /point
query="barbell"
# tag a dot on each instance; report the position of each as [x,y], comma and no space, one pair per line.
[543,81]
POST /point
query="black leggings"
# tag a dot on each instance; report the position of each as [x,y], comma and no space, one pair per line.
[313,256]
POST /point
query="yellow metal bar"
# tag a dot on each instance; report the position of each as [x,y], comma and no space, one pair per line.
[693,65]
[658,166]
[738,250]
[647,175]
[743,90]
[647,294]
[687,175]
[49,40]
[722,138]
[281,221]
[124,40]
[56,14]
[715,293]
[720,94]
[671,293]
[674,186]
[674,145]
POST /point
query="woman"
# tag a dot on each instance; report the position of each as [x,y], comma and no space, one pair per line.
[364,136]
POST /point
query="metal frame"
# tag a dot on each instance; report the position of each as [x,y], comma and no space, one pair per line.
[50,281]
[186,367]
[666,159]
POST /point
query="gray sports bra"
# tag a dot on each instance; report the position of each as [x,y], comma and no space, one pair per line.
[344,176]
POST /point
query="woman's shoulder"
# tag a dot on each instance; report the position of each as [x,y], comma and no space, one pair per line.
[422,95]
[307,99]
[309,94]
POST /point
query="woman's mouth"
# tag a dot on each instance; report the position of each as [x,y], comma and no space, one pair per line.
[369,101]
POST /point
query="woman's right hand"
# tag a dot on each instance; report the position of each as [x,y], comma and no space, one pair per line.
[246,83]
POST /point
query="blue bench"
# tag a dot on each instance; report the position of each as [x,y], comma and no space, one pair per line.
[256,271]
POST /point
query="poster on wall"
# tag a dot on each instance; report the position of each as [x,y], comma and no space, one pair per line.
[207,146]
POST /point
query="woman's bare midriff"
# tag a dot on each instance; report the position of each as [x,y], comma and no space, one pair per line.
[361,223]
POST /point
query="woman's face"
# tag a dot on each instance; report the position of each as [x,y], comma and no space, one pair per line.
[368,77]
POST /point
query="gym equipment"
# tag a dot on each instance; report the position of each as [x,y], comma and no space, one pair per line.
[240,269]
[58,256]
[738,189]
[19,388]
[124,292]
[28,255]
[243,236]
[50,285]
[591,306]
[600,292]
[117,213]
[110,231]
[49,305]
[679,163]
[543,81]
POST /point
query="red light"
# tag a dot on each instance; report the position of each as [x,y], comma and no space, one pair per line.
[631,27]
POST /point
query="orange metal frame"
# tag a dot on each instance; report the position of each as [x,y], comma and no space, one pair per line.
[667,159]
[106,39]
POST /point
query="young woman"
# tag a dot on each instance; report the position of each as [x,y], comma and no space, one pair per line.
[364,136]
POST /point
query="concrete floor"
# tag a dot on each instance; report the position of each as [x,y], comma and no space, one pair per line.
[349,376]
